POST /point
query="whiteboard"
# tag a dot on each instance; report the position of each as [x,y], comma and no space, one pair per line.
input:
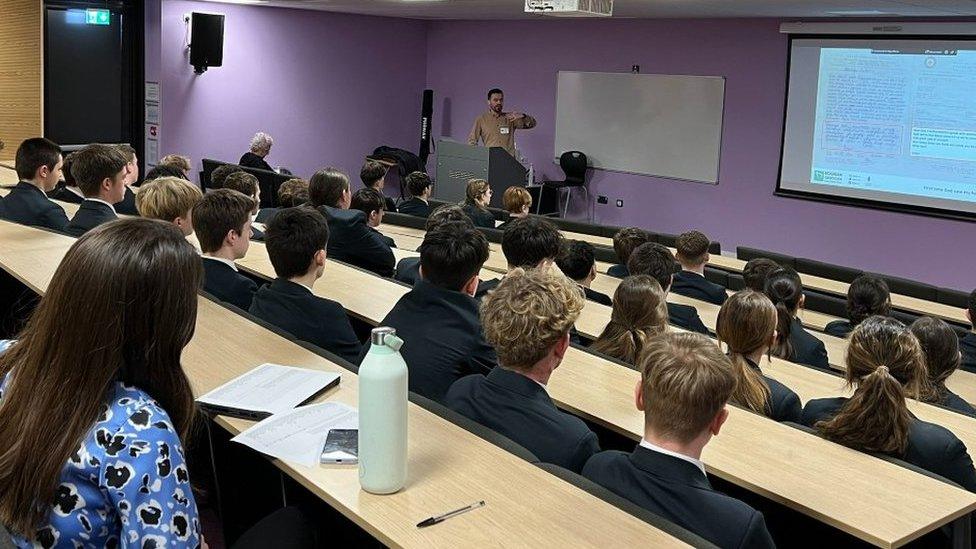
[652,124]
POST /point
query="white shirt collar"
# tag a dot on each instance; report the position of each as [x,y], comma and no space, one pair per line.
[103,202]
[665,451]
[227,262]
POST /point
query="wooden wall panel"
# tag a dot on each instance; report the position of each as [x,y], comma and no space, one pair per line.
[21,74]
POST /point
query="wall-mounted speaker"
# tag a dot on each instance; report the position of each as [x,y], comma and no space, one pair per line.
[426,118]
[206,41]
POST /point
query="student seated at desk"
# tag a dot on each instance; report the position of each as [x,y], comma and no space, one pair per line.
[373,176]
[685,384]
[756,271]
[291,193]
[692,248]
[639,314]
[248,185]
[527,318]
[793,342]
[222,220]
[517,202]
[885,365]
[178,161]
[866,296]
[162,170]
[420,187]
[438,319]
[624,243]
[169,199]
[576,260]
[477,197]
[219,175]
[967,344]
[127,206]
[350,238]
[67,189]
[747,326]
[940,346]
[296,241]
[528,243]
[38,163]
[657,261]
[408,268]
[371,203]
[101,172]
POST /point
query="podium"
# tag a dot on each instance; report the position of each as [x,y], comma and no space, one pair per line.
[459,162]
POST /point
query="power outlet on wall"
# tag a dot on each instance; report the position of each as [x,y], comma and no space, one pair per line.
[620,203]
[602,200]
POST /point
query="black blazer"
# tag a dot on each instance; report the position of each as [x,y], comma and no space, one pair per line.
[28,205]
[520,409]
[686,316]
[806,348]
[226,284]
[90,215]
[265,215]
[619,271]
[352,241]
[967,345]
[251,160]
[783,403]
[485,286]
[696,286]
[956,403]
[308,317]
[839,328]
[442,338]
[599,297]
[480,218]
[62,194]
[414,206]
[407,270]
[390,204]
[128,204]
[389,241]
[678,491]
[931,447]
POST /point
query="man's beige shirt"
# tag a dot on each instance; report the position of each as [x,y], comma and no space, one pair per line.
[494,130]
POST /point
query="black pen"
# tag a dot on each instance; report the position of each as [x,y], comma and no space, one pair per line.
[441,518]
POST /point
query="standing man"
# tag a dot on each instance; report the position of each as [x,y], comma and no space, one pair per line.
[496,128]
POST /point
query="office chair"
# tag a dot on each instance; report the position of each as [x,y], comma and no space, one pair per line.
[573,164]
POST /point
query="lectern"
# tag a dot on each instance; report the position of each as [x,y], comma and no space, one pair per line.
[459,162]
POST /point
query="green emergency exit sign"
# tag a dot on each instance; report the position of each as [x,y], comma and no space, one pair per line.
[98,17]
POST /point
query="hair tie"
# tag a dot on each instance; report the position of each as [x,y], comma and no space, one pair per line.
[883,370]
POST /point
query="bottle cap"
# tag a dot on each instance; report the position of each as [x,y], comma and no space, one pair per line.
[378,336]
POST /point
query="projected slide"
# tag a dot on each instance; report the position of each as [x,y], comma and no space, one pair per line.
[891,121]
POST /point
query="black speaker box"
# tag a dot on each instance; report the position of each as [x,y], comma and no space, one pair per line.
[206,41]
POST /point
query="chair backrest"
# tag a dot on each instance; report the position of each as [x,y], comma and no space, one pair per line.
[745,253]
[718,276]
[911,288]
[824,303]
[573,164]
[953,298]
[827,270]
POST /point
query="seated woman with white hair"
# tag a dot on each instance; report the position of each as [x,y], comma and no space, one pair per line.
[260,147]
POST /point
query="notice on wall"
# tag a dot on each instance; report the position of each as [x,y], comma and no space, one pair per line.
[152,121]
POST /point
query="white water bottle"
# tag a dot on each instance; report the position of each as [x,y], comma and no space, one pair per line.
[383,415]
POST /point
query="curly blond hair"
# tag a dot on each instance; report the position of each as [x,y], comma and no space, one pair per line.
[528,313]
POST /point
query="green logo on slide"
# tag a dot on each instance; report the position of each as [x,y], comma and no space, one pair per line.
[818,175]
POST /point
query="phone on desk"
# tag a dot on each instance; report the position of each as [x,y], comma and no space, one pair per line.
[341,446]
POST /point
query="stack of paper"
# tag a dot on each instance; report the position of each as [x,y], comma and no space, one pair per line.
[299,435]
[266,390]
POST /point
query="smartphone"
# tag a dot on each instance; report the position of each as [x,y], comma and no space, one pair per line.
[341,446]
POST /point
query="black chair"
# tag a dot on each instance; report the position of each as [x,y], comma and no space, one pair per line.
[573,164]
[745,254]
[827,304]
[904,286]
[718,276]
[736,282]
[827,270]
[953,298]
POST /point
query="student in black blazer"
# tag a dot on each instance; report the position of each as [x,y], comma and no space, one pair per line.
[884,358]
[625,241]
[664,474]
[373,176]
[692,248]
[657,261]
[296,240]
[350,238]
[438,319]
[419,185]
[793,342]
[127,206]
[408,269]
[529,243]
[517,202]
[222,221]
[576,261]
[38,163]
[866,296]
[941,348]
[101,172]
[639,313]
[477,198]
[370,202]
[747,326]
[512,399]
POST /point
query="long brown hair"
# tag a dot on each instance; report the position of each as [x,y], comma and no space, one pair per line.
[121,306]
[940,347]
[746,323]
[884,365]
[639,312]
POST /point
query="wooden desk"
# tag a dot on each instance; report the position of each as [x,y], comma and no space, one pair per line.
[818,478]
[457,469]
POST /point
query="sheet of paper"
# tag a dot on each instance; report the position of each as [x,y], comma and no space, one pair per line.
[271,388]
[299,435]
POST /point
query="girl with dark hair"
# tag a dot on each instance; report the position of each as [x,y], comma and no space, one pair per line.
[793,342]
[866,296]
[476,200]
[747,326]
[940,346]
[639,313]
[885,366]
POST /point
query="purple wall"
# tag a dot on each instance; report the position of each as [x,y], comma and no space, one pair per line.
[328,87]
[523,59]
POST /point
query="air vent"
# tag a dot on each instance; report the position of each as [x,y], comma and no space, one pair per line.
[570,8]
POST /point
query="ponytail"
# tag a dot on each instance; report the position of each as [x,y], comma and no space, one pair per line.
[874,419]
[783,347]
[751,390]
[639,312]
[784,289]
[621,342]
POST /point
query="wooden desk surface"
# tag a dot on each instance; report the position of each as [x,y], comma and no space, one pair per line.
[458,469]
[798,469]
